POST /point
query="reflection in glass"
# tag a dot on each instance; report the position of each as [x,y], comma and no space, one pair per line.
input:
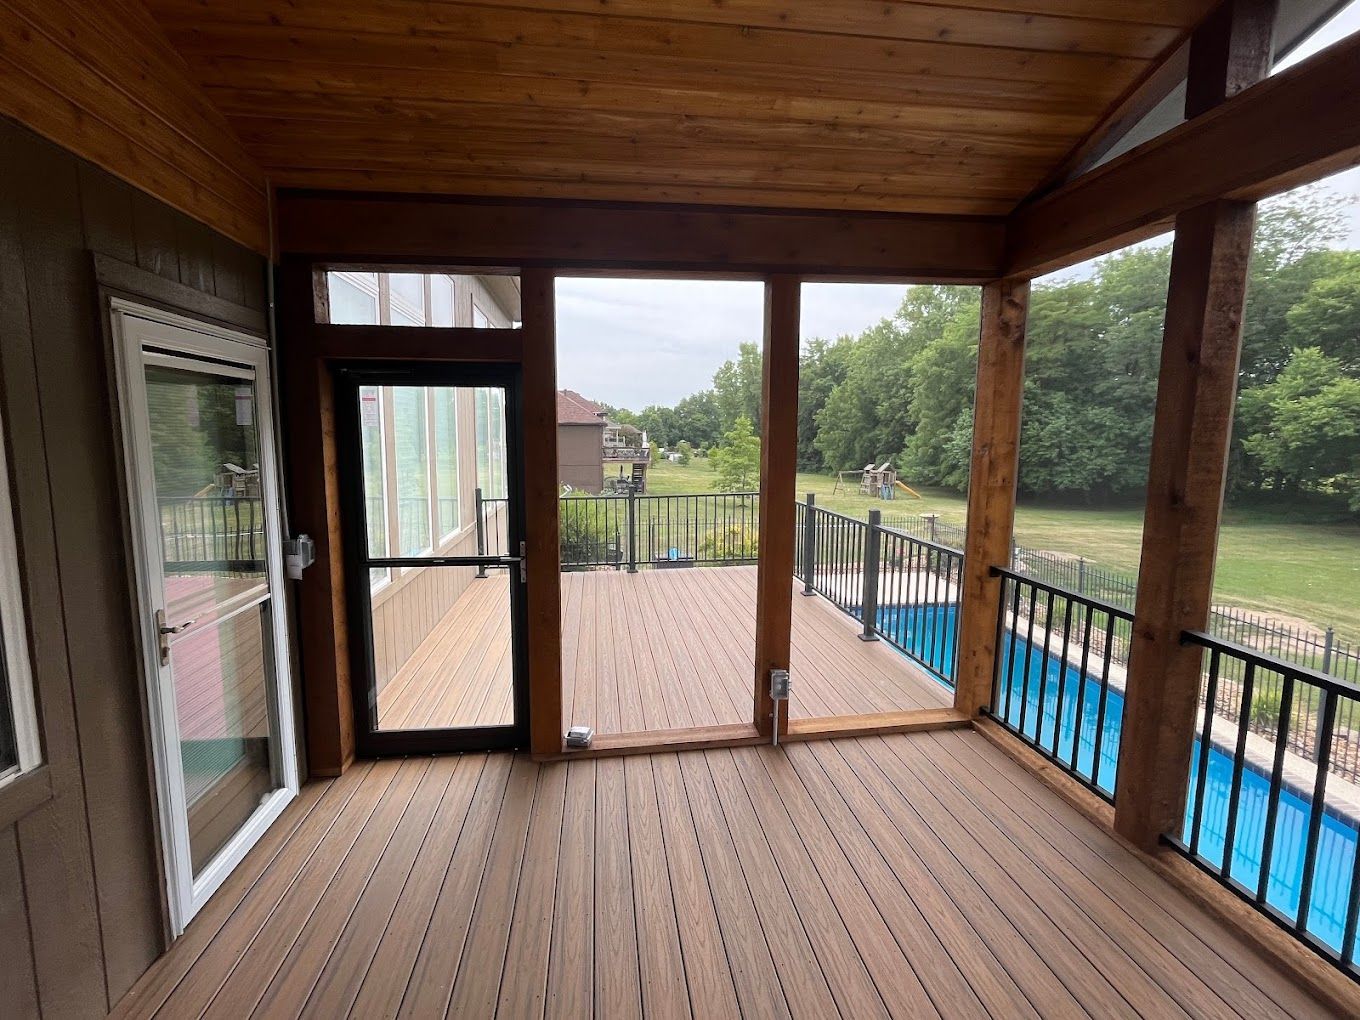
[375,476]
[445,402]
[411,440]
[206,460]
[223,707]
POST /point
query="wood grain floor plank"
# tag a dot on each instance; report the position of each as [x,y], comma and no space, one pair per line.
[618,983]
[571,957]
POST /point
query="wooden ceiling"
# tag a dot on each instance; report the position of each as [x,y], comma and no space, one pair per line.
[954,106]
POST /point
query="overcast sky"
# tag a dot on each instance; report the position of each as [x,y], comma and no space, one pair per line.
[631,343]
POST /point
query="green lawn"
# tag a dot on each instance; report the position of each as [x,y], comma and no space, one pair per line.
[1301,563]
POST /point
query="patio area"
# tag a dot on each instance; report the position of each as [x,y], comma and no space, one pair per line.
[659,649]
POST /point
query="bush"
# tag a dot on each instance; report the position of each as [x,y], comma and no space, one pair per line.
[1265,710]
[585,535]
[729,542]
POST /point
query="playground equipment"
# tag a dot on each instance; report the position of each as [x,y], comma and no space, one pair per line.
[874,480]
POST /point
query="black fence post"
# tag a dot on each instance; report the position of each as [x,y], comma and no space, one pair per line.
[632,531]
[810,544]
[1081,575]
[869,604]
[480,520]
[1328,643]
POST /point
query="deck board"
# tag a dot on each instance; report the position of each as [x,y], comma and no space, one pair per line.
[911,875]
[653,650]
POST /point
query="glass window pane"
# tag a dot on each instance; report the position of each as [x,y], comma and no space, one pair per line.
[9,749]
[479,319]
[206,462]
[483,419]
[446,457]
[353,303]
[408,298]
[441,301]
[222,702]
[411,441]
[375,476]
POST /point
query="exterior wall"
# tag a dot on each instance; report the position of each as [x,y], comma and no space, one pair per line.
[80,893]
[579,462]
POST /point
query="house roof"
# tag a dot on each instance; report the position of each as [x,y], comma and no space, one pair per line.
[574,409]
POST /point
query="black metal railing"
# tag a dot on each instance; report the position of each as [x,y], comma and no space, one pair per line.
[627,532]
[1053,686]
[901,589]
[1266,813]
[212,533]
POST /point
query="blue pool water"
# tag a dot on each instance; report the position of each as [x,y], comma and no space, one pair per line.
[927,633]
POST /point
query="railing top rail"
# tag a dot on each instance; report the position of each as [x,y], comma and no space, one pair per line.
[938,546]
[845,517]
[1263,660]
[1067,593]
[692,495]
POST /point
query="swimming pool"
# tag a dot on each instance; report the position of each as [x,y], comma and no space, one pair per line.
[928,632]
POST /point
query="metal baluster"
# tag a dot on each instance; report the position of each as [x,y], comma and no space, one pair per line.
[1239,759]
[1079,721]
[1205,744]
[1029,653]
[1104,697]
[1322,758]
[1043,674]
[1062,674]
[1010,661]
[1276,782]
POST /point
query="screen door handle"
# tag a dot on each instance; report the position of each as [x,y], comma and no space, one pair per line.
[163,632]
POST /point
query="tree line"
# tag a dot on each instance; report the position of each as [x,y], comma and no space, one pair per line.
[902,390]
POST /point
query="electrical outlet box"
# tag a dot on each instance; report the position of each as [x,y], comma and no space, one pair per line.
[298,554]
[580,736]
[779,684]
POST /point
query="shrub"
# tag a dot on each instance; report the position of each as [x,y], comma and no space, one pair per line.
[729,542]
[585,534]
[1265,710]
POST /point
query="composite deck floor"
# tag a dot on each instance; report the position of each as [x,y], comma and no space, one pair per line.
[905,876]
[653,650]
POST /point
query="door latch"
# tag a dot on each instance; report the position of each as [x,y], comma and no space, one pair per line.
[163,633]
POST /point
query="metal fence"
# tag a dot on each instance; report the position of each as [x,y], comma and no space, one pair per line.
[1051,685]
[212,533]
[1267,829]
[1320,650]
[902,589]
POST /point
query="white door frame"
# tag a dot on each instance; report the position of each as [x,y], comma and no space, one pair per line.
[190,343]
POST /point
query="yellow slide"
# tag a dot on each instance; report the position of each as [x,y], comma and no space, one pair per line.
[908,490]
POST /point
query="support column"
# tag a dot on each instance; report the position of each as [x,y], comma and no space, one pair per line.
[778,467]
[542,512]
[1192,427]
[991,485]
[1193,424]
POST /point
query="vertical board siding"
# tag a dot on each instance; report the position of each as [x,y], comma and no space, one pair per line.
[80,893]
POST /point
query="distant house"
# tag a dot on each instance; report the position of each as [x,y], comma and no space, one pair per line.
[594,453]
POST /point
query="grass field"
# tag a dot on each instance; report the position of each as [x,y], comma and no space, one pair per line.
[1302,563]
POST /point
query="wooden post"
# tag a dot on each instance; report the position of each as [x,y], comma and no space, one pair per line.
[1192,426]
[778,466]
[991,485]
[542,512]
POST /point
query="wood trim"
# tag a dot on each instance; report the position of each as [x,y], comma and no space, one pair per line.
[1295,127]
[640,238]
[991,484]
[117,276]
[876,723]
[778,467]
[1276,947]
[684,738]
[541,512]
[417,343]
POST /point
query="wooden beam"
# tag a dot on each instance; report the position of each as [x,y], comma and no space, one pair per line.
[1302,124]
[1192,426]
[640,238]
[919,720]
[991,485]
[541,512]
[778,466]
[313,489]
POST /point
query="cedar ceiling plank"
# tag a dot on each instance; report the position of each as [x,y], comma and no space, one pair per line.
[305,79]
[508,122]
[522,186]
[527,42]
[920,22]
